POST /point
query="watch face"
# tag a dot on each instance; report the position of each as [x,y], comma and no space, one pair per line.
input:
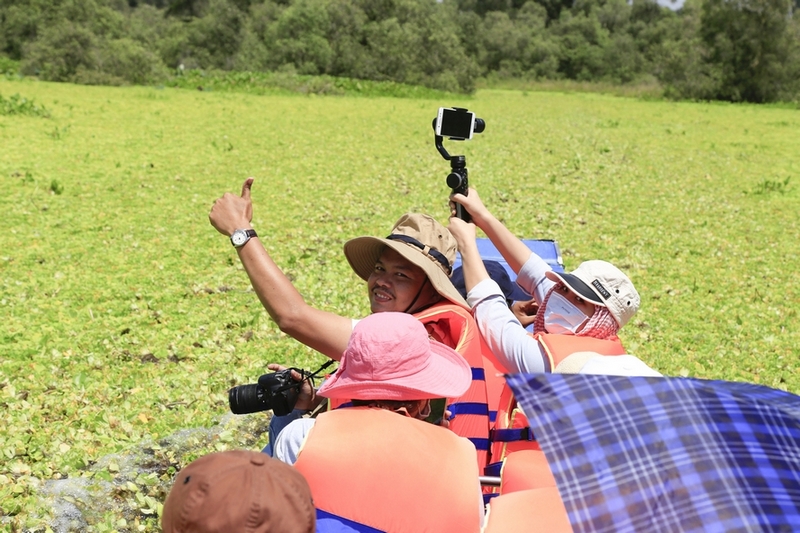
[238,238]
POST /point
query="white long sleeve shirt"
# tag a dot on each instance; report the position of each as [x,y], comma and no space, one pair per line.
[504,334]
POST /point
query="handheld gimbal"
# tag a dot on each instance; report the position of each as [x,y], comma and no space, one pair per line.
[453,128]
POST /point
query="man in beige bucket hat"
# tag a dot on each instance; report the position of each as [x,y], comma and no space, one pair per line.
[415,241]
[408,271]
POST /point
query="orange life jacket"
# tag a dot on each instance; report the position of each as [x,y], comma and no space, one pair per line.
[525,469]
[528,511]
[511,431]
[558,347]
[455,327]
[371,468]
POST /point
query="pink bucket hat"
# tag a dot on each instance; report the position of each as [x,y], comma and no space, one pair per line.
[390,357]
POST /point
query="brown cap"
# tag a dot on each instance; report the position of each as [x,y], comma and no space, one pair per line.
[239,491]
[422,241]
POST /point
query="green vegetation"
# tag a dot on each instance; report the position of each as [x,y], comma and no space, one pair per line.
[126,317]
[290,83]
[708,50]
[19,105]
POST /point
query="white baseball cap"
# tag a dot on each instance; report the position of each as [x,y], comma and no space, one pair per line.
[603,284]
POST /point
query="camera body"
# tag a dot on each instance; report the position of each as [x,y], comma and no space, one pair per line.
[277,391]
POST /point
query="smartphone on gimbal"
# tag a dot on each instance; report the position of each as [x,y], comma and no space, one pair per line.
[455,123]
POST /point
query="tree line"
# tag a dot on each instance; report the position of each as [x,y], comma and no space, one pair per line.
[735,50]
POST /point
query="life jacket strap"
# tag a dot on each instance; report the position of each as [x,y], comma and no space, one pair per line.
[487,497]
[493,469]
[480,444]
[511,435]
[338,524]
[468,408]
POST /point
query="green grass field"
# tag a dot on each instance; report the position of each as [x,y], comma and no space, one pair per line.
[124,316]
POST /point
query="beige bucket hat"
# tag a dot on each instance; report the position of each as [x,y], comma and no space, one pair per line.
[422,241]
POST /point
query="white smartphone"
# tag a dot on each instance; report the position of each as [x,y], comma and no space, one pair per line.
[458,124]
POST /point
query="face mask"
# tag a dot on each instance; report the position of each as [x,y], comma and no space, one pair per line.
[425,412]
[561,316]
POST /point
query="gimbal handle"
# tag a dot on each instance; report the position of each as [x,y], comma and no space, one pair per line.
[457,179]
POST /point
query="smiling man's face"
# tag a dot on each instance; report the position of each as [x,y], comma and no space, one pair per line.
[395,283]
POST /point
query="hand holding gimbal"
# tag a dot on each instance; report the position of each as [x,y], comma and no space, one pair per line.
[458,124]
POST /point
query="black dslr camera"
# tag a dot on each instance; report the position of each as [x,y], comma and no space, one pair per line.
[277,391]
[458,124]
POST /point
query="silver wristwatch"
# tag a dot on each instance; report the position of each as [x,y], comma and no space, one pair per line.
[240,237]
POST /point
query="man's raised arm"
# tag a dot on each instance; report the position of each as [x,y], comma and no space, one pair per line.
[323,331]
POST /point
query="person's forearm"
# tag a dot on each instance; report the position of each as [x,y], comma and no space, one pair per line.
[325,332]
[507,338]
[515,349]
[472,265]
[513,250]
[276,292]
[532,277]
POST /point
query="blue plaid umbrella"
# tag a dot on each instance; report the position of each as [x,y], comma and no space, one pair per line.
[667,454]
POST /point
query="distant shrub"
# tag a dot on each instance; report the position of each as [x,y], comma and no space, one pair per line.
[71,53]
[19,105]
[8,66]
[60,52]
[128,60]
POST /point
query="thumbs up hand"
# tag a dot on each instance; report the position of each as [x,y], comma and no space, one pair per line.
[232,212]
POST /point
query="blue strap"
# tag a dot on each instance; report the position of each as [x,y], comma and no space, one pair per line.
[478,374]
[468,408]
[493,469]
[511,435]
[486,498]
[331,523]
[480,444]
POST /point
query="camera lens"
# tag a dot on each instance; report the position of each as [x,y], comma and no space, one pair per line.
[276,391]
[480,125]
[246,399]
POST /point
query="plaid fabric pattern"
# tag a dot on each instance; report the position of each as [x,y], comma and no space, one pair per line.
[645,454]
